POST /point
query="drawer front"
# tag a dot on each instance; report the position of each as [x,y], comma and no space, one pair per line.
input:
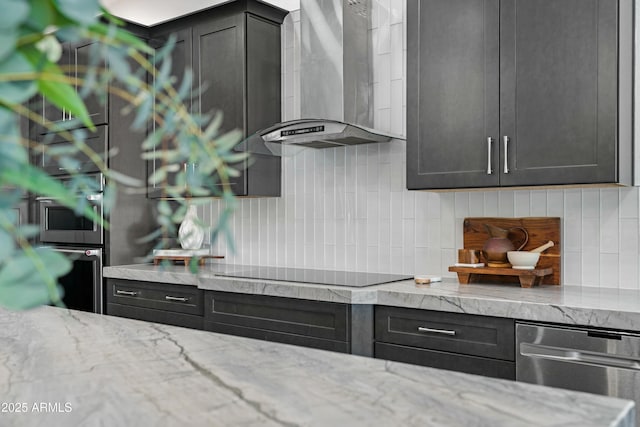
[450,361]
[157,316]
[158,296]
[304,341]
[315,319]
[453,332]
[96,141]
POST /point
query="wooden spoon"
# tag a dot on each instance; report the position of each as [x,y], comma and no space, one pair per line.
[543,247]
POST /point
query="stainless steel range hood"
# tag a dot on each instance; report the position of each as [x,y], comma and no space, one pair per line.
[335,74]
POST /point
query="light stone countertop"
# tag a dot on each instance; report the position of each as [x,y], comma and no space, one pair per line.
[90,369]
[572,305]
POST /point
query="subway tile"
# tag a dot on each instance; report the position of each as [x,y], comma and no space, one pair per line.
[421,261]
[572,268]
[629,236]
[396,260]
[609,221]
[629,278]
[408,260]
[361,259]
[382,95]
[591,268]
[555,203]
[628,202]
[397,64]
[433,236]
[384,204]
[476,204]
[461,204]
[373,232]
[330,257]
[573,230]
[408,204]
[590,203]
[384,233]
[522,203]
[447,260]
[506,203]
[491,203]
[396,233]
[434,261]
[609,271]
[538,203]
[433,205]
[340,258]
[382,119]
[373,259]
[385,259]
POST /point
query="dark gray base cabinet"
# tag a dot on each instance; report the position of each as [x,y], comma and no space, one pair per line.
[316,324]
[472,344]
[178,305]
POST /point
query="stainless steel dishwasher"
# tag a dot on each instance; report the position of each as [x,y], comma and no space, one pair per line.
[591,360]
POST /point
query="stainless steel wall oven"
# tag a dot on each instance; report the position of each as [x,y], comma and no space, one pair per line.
[81,240]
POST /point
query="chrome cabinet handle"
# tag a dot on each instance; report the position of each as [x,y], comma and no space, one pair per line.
[506,151]
[437,331]
[489,170]
[180,299]
[127,293]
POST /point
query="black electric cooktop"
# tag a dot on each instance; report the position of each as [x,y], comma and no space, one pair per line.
[324,277]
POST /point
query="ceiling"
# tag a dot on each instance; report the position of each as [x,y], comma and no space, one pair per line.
[152,12]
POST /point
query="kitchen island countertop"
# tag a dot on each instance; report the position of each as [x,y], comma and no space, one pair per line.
[64,367]
[571,305]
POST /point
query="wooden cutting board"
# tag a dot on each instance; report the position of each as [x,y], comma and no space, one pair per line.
[540,229]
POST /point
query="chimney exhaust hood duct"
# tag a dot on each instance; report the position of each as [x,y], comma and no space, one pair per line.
[335,69]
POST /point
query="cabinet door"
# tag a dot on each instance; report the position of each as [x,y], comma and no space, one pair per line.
[558,92]
[219,67]
[97,105]
[181,59]
[452,93]
[51,113]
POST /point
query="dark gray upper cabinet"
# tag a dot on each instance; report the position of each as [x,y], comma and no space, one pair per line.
[234,51]
[518,93]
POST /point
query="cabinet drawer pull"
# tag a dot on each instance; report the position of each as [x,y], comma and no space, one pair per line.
[489,169]
[180,299]
[506,156]
[437,331]
[127,293]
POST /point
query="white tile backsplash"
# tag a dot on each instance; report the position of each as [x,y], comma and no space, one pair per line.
[348,209]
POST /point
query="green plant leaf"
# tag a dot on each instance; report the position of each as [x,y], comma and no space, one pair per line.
[16,92]
[56,87]
[41,15]
[38,182]
[24,285]
[121,36]
[14,13]
[7,245]
[85,12]
[8,40]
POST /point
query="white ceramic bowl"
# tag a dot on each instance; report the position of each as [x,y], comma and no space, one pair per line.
[523,260]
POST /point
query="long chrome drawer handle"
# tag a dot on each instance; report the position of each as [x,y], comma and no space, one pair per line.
[170,298]
[489,169]
[437,331]
[127,293]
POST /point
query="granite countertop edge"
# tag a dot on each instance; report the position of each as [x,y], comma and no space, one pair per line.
[572,305]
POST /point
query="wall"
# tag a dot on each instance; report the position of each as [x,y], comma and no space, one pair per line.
[348,209]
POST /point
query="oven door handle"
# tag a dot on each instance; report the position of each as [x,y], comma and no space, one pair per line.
[90,197]
[576,356]
[87,252]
